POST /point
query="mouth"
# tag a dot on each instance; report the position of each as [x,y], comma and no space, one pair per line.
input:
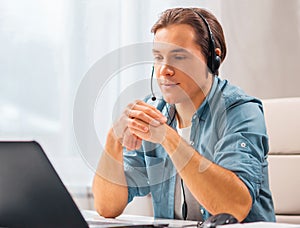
[169,84]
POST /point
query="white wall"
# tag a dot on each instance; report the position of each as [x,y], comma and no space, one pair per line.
[263,46]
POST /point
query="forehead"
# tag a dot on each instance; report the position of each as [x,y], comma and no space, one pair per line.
[177,35]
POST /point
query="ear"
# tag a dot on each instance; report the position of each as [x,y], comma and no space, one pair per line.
[218,52]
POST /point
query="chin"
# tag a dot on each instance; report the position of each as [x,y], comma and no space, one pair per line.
[175,97]
[171,100]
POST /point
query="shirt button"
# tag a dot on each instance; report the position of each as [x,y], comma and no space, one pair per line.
[202,211]
[243,144]
[192,143]
[194,117]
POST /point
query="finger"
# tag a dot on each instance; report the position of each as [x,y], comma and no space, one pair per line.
[137,124]
[138,143]
[151,110]
[155,134]
[140,134]
[147,115]
[130,141]
[127,138]
[129,146]
[140,115]
[148,109]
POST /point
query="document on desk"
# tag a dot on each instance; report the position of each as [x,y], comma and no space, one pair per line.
[261,225]
[95,221]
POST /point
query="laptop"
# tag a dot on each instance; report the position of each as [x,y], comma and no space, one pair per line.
[32,194]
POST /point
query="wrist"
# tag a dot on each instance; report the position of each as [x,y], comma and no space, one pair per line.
[171,140]
[178,149]
[113,146]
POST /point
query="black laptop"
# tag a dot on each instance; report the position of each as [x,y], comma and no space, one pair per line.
[31,193]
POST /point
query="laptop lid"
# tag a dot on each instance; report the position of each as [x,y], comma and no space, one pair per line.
[31,192]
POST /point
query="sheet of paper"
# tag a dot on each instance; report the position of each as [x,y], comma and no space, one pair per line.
[94,220]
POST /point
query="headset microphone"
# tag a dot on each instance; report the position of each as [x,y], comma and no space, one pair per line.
[153,96]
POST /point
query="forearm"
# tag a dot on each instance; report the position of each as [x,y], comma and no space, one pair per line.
[109,185]
[217,189]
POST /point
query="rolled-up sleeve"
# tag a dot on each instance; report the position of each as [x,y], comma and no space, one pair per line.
[243,144]
[136,174]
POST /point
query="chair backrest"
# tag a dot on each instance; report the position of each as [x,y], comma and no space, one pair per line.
[282,119]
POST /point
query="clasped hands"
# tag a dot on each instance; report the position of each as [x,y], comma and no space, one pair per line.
[140,121]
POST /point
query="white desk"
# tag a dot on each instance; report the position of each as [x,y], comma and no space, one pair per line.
[93,218]
[261,225]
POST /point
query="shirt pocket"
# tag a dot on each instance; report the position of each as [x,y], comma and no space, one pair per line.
[155,171]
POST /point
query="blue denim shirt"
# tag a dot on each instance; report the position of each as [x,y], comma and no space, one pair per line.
[228,129]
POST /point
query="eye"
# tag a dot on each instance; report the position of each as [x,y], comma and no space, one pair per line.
[158,58]
[180,57]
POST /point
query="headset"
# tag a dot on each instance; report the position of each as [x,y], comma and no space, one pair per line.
[213,60]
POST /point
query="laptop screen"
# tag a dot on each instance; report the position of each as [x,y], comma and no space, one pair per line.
[31,193]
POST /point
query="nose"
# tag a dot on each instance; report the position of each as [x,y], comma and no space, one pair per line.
[166,70]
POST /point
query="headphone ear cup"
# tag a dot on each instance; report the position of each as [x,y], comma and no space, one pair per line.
[217,64]
[213,64]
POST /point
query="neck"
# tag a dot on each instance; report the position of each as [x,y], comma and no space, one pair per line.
[186,110]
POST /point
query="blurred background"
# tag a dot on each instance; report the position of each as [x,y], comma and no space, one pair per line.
[47,47]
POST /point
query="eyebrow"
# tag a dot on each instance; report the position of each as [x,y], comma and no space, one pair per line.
[178,50]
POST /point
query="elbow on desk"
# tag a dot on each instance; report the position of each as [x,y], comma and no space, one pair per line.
[107,211]
[106,204]
[242,215]
[243,209]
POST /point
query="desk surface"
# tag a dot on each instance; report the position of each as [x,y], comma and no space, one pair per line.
[95,220]
[261,225]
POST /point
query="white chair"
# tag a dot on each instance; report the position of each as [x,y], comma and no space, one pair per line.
[283,126]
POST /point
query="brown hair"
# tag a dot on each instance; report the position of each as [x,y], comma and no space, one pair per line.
[190,17]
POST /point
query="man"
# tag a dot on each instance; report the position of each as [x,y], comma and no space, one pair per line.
[209,155]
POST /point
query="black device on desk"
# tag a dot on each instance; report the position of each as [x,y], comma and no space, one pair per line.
[32,194]
[218,219]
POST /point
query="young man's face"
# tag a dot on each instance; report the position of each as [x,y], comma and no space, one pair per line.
[180,67]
